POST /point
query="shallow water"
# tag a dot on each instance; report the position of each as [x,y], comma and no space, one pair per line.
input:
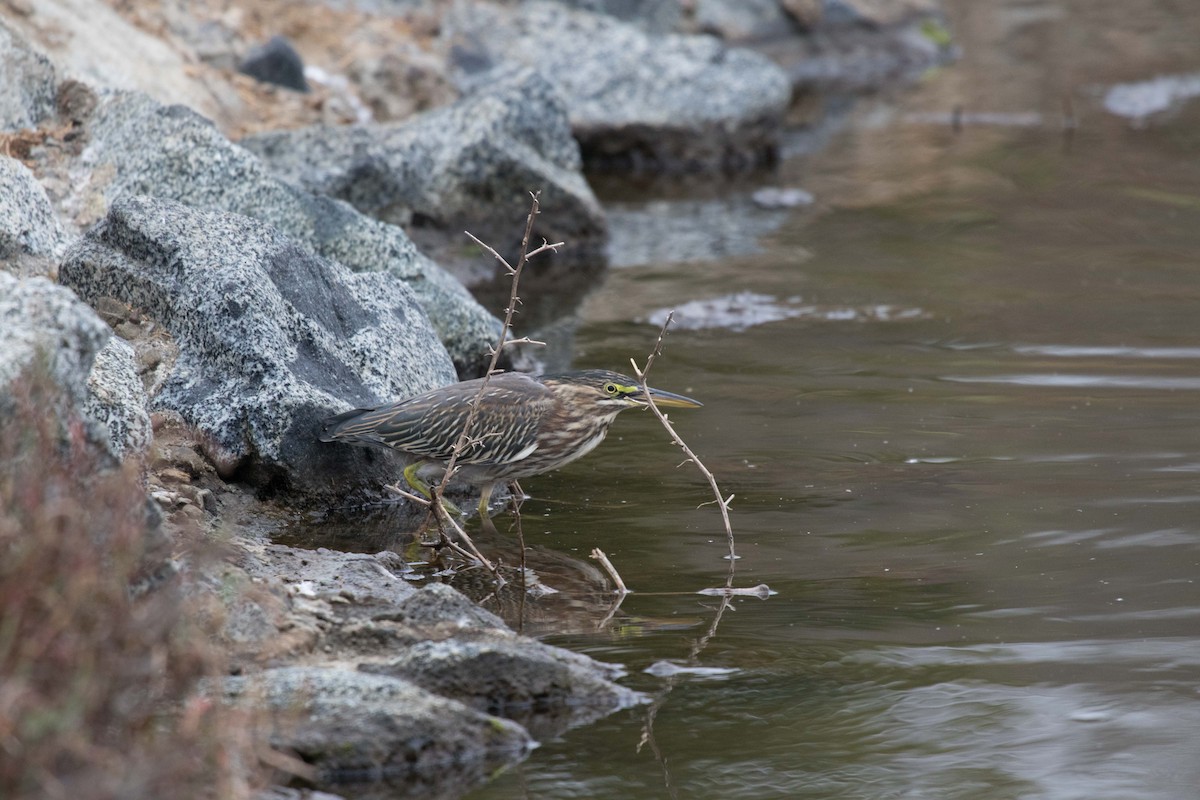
[978,507]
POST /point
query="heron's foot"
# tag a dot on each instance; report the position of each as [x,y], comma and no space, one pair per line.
[414,480]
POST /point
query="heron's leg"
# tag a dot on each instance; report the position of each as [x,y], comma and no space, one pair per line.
[416,482]
[485,495]
[485,519]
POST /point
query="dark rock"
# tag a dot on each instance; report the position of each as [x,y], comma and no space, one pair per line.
[29,84]
[469,166]
[139,146]
[271,338]
[359,728]
[275,61]
[636,102]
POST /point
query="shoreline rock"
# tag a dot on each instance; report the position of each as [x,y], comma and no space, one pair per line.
[467,166]
[188,160]
[271,338]
[672,103]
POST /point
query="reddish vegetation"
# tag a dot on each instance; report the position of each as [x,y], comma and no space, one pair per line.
[98,665]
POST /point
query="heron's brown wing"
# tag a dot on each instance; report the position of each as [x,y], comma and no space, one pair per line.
[428,425]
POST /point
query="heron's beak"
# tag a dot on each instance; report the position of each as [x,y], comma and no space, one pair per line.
[669,399]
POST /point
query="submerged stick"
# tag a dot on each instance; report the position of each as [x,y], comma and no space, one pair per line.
[600,556]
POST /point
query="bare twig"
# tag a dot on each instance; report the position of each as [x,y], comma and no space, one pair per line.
[462,534]
[721,501]
[407,495]
[648,738]
[516,500]
[600,556]
[726,603]
[727,593]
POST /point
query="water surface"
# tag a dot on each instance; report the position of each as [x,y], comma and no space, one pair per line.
[980,519]
[957,403]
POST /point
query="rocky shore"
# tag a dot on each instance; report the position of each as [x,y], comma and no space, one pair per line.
[207,264]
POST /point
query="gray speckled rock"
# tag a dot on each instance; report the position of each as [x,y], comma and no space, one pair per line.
[438,604]
[38,318]
[43,322]
[545,688]
[469,166]
[29,83]
[357,728]
[359,578]
[271,338]
[636,102]
[856,45]
[30,234]
[138,146]
[117,401]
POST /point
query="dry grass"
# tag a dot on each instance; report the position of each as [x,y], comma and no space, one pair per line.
[96,681]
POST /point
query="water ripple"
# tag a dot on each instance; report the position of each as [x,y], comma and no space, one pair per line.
[1174,652]
[742,310]
[1074,350]
[1058,381]
[1079,351]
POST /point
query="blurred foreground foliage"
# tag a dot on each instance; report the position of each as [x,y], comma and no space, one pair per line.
[97,675]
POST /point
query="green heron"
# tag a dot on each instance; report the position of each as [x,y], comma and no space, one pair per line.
[524,426]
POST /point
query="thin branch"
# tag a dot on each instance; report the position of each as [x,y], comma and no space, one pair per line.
[407,495]
[464,437]
[462,534]
[727,593]
[600,556]
[721,501]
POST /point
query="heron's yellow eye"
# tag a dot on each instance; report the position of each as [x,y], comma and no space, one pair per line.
[612,388]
